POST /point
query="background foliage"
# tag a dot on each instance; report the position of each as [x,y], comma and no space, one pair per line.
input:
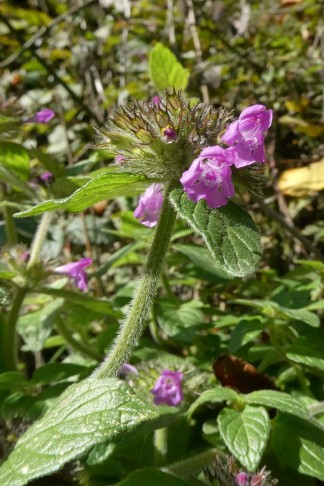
[82,60]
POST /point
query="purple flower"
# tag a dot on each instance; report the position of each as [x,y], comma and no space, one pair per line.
[46,176]
[167,388]
[246,135]
[149,205]
[43,116]
[209,177]
[76,271]
[242,479]
[169,134]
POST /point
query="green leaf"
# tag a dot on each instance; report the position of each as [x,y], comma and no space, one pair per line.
[149,476]
[244,332]
[16,158]
[180,321]
[272,309]
[55,372]
[202,258]
[279,400]
[229,233]
[102,306]
[214,395]
[86,414]
[104,186]
[165,70]
[308,352]
[35,327]
[245,433]
[299,445]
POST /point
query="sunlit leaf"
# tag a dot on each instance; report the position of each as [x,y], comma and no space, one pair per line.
[86,414]
[165,70]
[104,186]
[229,233]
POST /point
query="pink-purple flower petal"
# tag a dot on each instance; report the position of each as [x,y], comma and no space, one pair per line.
[209,177]
[76,271]
[150,204]
[167,388]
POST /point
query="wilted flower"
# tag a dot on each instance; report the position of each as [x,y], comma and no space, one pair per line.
[209,177]
[43,116]
[246,135]
[150,205]
[76,271]
[167,388]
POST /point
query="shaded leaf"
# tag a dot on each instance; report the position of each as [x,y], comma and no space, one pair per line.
[149,476]
[299,445]
[16,158]
[214,395]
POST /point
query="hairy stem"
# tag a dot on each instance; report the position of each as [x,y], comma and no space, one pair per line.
[11,231]
[39,238]
[133,326]
[9,349]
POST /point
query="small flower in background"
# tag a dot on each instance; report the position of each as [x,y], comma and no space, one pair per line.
[76,271]
[209,177]
[25,255]
[246,135]
[150,205]
[46,176]
[43,116]
[242,479]
[167,388]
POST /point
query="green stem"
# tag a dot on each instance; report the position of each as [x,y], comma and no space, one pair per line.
[39,238]
[11,232]
[10,338]
[134,324]
[160,446]
[77,345]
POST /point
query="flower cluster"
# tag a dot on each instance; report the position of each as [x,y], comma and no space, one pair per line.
[167,388]
[209,176]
